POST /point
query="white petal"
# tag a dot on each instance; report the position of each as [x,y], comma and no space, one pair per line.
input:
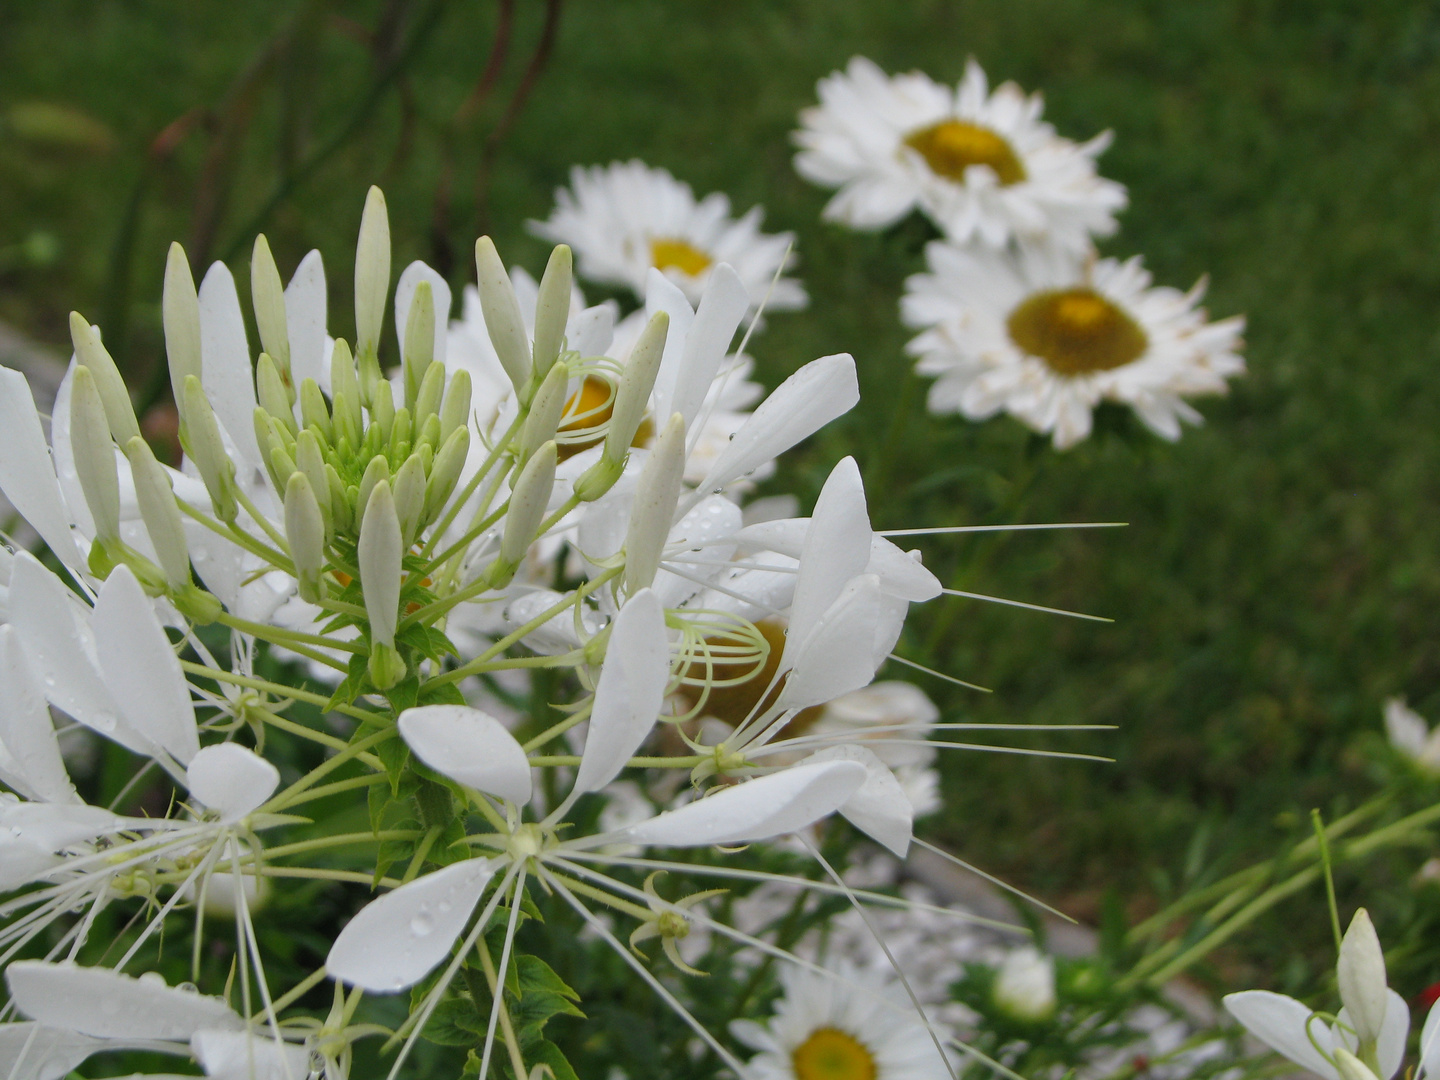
[839,654]
[107,1004]
[55,633]
[1390,1046]
[140,667]
[42,1053]
[53,826]
[27,475]
[880,808]
[21,863]
[231,779]
[630,693]
[1430,1044]
[901,574]
[410,277]
[662,294]
[804,403]
[1279,1022]
[470,747]
[225,370]
[836,548]
[26,730]
[244,1055]
[396,939]
[757,810]
[305,315]
[721,308]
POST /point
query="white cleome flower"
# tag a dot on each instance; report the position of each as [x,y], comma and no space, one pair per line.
[1411,735]
[847,1026]
[1047,337]
[983,166]
[624,218]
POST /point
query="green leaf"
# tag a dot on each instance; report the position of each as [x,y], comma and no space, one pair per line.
[548,1054]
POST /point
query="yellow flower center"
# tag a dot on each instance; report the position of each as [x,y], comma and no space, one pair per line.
[587,409]
[678,255]
[737,684]
[1076,331]
[952,146]
[832,1054]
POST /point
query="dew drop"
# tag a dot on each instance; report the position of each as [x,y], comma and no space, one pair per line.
[421,924]
[104,721]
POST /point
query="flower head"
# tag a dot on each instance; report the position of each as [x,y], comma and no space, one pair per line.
[981,165]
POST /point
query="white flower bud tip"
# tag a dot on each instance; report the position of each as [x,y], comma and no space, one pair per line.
[527,507]
[94,455]
[89,351]
[372,278]
[419,340]
[206,447]
[546,408]
[552,309]
[267,295]
[181,309]
[380,552]
[455,413]
[657,493]
[160,512]
[1361,975]
[502,314]
[1025,986]
[636,382]
[305,532]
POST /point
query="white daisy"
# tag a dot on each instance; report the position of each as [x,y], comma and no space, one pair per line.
[980,165]
[624,218]
[1046,337]
[852,1027]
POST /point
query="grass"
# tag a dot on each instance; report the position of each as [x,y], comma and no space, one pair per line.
[1279,576]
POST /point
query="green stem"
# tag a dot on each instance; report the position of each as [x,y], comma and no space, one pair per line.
[290,639]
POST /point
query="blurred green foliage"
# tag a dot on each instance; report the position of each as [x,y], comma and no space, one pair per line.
[1279,575]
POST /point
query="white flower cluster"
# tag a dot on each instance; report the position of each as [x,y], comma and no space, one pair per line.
[531,488]
[1017,312]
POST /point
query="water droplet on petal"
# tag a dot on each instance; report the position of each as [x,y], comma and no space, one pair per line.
[422,924]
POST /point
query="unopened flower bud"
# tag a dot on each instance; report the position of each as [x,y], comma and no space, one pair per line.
[340,510]
[379,556]
[528,502]
[119,410]
[546,408]
[274,395]
[375,472]
[181,309]
[501,309]
[160,512]
[400,432]
[552,310]
[1351,1067]
[1361,975]
[305,532]
[206,447]
[345,396]
[445,472]
[1025,985]
[455,413]
[267,295]
[313,411]
[428,397]
[429,435]
[657,492]
[409,493]
[419,341]
[311,462]
[282,466]
[372,285]
[94,455]
[382,409]
[636,382]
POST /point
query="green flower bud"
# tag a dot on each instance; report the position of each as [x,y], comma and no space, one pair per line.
[94,455]
[372,285]
[275,397]
[429,436]
[379,553]
[375,472]
[409,489]
[345,396]
[528,502]
[382,409]
[546,408]
[267,295]
[636,382]
[341,517]
[206,447]
[657,493]
[419,340]
[305,532]
[116,398]
[313,411]
[455,413]
[432,389]
[311,462]
[181,309]
[400,432]
[445,472]
[552,310]
[160,512]
[502,314]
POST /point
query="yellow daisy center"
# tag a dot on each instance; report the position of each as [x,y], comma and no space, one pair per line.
[679,255]
[1076,331]
[832,1054]
[952,146]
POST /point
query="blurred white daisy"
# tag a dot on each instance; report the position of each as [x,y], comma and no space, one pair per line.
[981,165]
[840,1029]
[1411,735]
[624,218]
[1046,337]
